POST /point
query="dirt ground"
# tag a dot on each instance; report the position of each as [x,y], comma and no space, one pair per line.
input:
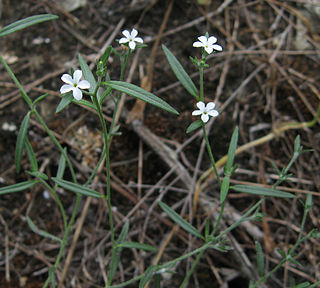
[267,75]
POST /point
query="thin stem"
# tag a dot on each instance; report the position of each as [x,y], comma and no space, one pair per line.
[210,154]
[195,263]
[201,84]
[219,219]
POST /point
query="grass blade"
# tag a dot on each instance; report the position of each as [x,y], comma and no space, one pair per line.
[40,232]
[262,191]
[21,141]
[17,187]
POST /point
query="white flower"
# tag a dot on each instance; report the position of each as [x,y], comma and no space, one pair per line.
[207,44]
[205,111]
[74,84]
[130,38]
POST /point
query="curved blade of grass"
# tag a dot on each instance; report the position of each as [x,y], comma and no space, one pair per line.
[262,191]
[40,232]
[180,221]
[77,188]
[24,23]
[180,73]
[17,187]
[141,94]
[21,141]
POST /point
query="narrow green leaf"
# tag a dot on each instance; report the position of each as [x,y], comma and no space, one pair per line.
[38,174]
[40,98]
[17,187]
[224,188]
[141,94]
[137,245]
[40,232]
[194,125]
[87,74]
[24,23]
[21,141]
[262,191]
[260,259]
[106,54]
[147,276]
[62,165]
[232,150]
[304,285]
[65,101]
[52,277]
[180,221]
[31,155]
[180,73]
[77,188]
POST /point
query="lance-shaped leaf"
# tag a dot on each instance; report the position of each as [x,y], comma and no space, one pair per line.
[262,191]
[180,221]
[24,23]
[232,150]
[87,74]
[141,94]
[21,141]
[194,125]
[77,188]
[180,73]
[17,187]
[31,155]
[40,232]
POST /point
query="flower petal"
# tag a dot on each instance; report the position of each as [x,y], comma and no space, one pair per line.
[213,113]
[132,45]
[208,49]
[205,118]
[66,78]
[66,88]
[201,106]
[134,33]
[77,76]
[217,47]
[138,39]
[210,106]
[126,33]
[196,112]
[123,40]
[197,44]
[203,39]
[84,84]
[77,93]
[212,40]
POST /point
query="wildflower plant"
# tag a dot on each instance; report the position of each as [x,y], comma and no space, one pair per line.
[72,91]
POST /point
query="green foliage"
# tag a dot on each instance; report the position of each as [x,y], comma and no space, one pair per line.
[18,187]
[261,191]
[21,141]
[141,94]
[180,73]
[194,126]
[24,23]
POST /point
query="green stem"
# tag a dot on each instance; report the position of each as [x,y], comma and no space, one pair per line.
[219,219]
[201,84]
[194,264]
[210,154]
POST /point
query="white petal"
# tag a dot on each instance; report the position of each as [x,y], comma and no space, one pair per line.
[203,39]
[212,40]
[196,112]
[126,33]
[210,106]
[66,88]
[208,49]
[201,106]
[84,84]
[77,93]
[217,47]
[66,78]
[213,113]
[123,40]
[197,44]
[77,76]
[132,45]
[205,118]
[134,33]
[138,39]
